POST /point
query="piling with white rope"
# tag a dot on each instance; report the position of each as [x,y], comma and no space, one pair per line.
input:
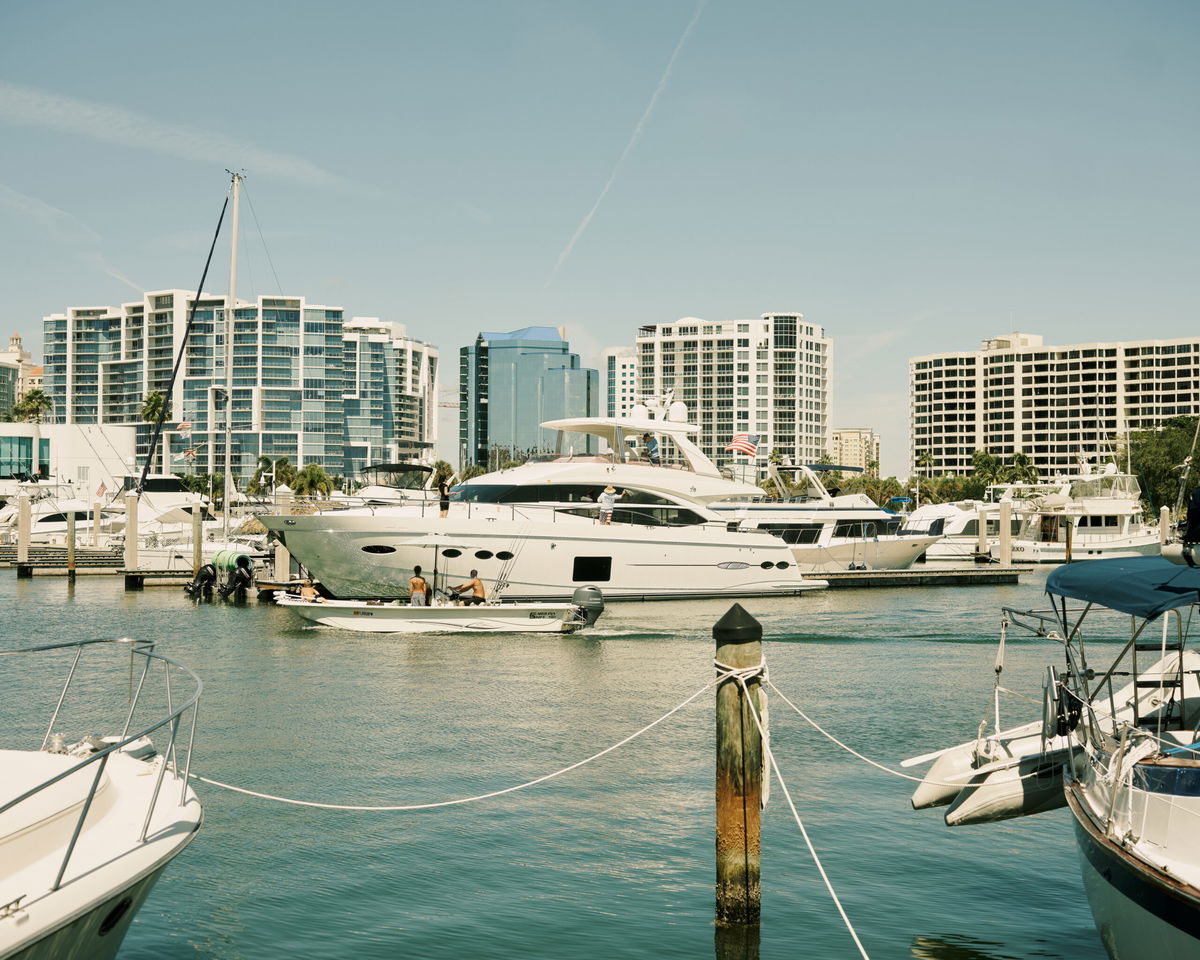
[738,639]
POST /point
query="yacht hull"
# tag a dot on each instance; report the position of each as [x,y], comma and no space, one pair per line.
[364,557]
[889,553]
[1033,551]
[1141,912]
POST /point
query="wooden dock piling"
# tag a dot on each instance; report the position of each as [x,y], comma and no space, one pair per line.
[738,639]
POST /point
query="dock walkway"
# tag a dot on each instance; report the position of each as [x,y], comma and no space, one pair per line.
[913,577]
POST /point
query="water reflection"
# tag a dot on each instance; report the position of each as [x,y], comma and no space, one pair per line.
[736,943]
[965,948]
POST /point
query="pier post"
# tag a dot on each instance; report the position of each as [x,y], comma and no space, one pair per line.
[1005,533]
[131,531]
[24,528]
[1164,526]
[738,639]
[71,545]
[981,546]
[197,538]
[96,524]
[1070,532]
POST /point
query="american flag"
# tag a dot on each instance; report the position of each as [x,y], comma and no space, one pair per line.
[746,443]
[102,489]
[184,427]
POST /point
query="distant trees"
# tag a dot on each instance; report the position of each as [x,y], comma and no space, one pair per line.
[269,474]
[1158,458]
[312,480]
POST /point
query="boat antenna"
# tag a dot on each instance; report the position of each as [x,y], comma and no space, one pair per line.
[166,405]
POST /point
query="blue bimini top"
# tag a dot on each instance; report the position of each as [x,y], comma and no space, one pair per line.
[1139,586]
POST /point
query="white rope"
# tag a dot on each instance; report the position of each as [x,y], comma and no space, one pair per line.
[741,675]
[462,800]
[958,784]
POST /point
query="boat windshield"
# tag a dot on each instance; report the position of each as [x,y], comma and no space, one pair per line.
[549,493]
[1119,485]
[399,475]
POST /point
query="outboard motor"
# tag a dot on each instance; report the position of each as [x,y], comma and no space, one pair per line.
[590,602]
[241,579]
[203,582]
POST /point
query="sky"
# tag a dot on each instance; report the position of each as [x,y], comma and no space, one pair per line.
[914,177]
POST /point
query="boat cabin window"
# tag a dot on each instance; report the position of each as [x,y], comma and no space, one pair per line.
[62,517]
[154,485]
[547,493]
[866,528]
[1107,485]
[794,532]
[592,570]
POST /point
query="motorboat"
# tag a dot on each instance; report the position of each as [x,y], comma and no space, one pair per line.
[536,529]
[86,828]
[827,533]
[1094,514]
[383,484]
[1124,736]
[441,616]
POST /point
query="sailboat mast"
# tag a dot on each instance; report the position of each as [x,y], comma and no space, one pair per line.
[229,315]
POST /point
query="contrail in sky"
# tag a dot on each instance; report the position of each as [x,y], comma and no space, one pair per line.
[637,134]
[65,229]
[29,106]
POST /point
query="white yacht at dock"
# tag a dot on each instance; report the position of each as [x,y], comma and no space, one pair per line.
[827,533]
[1094,514]
[534,532]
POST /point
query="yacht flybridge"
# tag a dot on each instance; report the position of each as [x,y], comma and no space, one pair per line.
[537,533]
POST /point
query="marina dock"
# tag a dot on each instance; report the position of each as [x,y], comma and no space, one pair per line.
[916,577]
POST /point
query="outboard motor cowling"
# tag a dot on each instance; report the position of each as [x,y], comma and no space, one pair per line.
[203,582]
[590,601]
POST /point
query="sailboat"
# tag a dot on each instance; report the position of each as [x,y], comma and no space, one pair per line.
[1116,744]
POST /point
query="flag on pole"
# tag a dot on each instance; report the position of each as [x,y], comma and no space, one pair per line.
[102,489]
[185,427]
[746,443]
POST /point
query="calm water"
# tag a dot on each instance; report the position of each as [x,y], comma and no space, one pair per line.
[612,860]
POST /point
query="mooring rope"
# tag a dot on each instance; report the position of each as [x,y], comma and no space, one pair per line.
[461,800]
[958,784]
[741,675]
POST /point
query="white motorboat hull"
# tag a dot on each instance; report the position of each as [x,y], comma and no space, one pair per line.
[365,556]
[1034,551]
[110,871]
[886,553]
[96,934]
[403,618]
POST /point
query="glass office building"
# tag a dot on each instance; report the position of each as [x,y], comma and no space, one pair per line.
[289,378]
[509,383]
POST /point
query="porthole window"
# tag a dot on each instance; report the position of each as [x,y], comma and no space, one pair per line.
[451,552]
[766,564]
[378,548]
[483,554]
[503,555]
[782,565]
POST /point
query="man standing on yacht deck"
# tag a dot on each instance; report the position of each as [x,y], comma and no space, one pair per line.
[418,589]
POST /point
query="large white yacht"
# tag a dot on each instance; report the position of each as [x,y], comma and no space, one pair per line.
[826,532]
[534,531]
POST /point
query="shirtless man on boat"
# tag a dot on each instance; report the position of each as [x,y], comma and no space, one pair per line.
[475,585]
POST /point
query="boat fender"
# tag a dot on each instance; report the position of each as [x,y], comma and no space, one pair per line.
[590,601]
[1050,704]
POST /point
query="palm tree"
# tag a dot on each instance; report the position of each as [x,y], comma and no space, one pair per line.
[312,480]
[987,468]
[154,408]
[473,470]
[1021,469]
[924,460]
